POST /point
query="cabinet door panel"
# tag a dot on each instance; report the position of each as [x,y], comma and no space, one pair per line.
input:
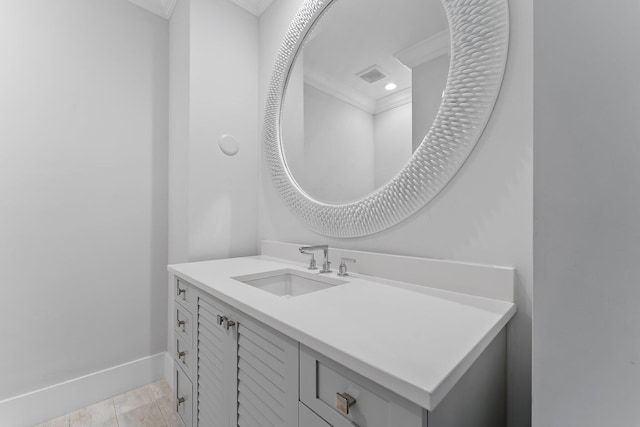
[207,325]
[275,378]
[273,361]
[267,377]
[268,416]
[246,418]
[215,366]
[247,370]
[272,400]
[247,373]
[184,397]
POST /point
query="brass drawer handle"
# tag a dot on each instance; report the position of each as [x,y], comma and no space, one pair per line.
[181,324]
[344,401]
[181,355]
[230,323]
[181,291]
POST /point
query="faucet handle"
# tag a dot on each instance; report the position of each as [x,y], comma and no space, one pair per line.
[342,271]
[312,261]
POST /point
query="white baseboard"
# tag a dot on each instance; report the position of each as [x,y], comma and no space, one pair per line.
[59,399]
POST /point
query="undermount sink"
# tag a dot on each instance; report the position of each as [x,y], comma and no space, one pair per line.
[288,282]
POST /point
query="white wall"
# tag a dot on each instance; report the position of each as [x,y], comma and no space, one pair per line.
[83,171]
[213,199]
[338,148]
[179,69]
[392,143]
[485,214]
[586,334]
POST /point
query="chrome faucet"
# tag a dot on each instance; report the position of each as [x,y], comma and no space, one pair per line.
[326,265]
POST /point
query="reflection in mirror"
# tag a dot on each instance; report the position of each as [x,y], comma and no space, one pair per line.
[363,94]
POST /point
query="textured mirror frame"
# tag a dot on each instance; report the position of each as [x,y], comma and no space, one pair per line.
[479,44]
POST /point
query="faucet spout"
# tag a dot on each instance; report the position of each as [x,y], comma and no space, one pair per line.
[326,265]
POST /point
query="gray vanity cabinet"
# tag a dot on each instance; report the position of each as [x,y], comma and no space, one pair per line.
[246,374]
[233,371]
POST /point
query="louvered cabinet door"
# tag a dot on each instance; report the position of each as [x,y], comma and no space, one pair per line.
[267,377]
[216,364]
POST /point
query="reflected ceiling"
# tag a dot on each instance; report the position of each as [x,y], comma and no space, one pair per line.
[165,8]
[388,31]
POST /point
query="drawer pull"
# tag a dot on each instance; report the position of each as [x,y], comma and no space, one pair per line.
[230,323]
[344,401]
[221,319]
[181,324]
[181,355]
[181,291]
[179,402]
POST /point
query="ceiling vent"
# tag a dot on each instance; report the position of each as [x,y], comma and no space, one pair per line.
[372,74]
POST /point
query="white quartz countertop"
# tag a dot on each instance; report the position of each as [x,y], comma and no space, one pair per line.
[414,340]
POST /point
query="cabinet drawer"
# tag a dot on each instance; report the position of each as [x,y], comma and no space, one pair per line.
[183,323]
[184,397]
[185,356]
[321,379]
[308,418]
[186,295]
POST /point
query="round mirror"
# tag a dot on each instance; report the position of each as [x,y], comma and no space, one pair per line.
[351,118]
[348,177]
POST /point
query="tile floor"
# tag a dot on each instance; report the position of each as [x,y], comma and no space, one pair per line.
[147,406]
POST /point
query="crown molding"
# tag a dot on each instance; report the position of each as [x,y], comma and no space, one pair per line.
[254,6]
[352,97]
[425,50]
[394,100]
[163,8]
[342,92]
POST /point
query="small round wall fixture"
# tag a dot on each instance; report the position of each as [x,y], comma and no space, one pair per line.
[479,35]
[229,145]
